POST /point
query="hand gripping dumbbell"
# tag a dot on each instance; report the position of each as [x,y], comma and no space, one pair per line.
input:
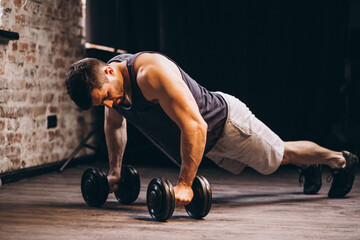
[160,199]
[95,186]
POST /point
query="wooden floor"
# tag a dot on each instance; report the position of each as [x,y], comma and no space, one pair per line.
[247,206]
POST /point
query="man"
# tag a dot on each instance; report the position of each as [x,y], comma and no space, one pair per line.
[187,121]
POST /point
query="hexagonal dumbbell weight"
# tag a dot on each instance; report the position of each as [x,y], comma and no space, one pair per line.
[95,186]
[160,199]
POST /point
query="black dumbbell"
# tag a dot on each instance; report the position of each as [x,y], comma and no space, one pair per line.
[95,186]
[160,199]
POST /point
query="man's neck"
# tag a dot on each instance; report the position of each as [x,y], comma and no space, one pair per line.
[121,66]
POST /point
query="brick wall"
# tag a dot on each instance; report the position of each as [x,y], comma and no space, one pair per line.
[32,73]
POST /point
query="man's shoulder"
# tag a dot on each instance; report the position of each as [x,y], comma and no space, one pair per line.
[148,63]
[148,57]
[120,58]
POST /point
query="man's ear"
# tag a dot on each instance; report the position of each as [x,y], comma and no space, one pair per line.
[109,71]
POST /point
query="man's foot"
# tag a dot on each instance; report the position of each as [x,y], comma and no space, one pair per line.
[312,176]
[343,178]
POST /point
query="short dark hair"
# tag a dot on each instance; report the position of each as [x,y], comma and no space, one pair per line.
[82,77]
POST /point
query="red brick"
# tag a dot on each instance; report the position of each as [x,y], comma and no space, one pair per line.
[11,58]
[4,96]
[14,138]
[34,7]
[2,139]
[55,157]
[57,85]
[20,19]
[34,147]
[62,14]
[68,54]
[32,47]
[66,108]
[63,97]
[53,109]
[11,151]
[30,59]
[30,86]
[48,98]
[52,135]
[2,125]
[23,47]
[17,83]
[62,74]
[62,52]
[5,3]
[17,28]
[48,11]
[18,3]
[50,146]
[19,96]
[15,160]
[58,39]
[44,158]
[13,125]
[40,123]
[50,58]
[24,111]
[14,46]
[39,111]
[41,49]
[53,49]
[3,84]
[26,73]
[47,73]
[8,112]
[18,137]
[44,73]
[10,138]
[35,97]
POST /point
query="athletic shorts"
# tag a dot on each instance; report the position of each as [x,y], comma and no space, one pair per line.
[246,141]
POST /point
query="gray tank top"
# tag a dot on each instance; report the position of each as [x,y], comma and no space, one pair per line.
[152,121]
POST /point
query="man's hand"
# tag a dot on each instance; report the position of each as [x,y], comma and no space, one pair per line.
[113,180]
[183,195]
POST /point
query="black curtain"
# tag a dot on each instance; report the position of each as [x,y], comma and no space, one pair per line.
[284,59]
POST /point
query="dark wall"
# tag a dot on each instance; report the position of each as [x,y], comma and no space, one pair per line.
[284,59]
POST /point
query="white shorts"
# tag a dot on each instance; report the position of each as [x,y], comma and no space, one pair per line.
[246,141]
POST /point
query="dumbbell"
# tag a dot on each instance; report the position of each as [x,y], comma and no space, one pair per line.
[95,186]
[160,199]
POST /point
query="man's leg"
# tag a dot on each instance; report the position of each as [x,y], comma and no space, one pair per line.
[344,164]
[304,153]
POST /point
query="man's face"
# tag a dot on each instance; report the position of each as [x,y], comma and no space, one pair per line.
[108,95]
[112,91]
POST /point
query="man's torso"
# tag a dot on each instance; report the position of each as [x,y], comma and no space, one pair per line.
[150,119]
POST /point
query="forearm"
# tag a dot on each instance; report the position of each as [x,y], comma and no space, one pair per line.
[193,142]
[116,139]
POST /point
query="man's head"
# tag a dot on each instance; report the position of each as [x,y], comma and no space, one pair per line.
[92,82]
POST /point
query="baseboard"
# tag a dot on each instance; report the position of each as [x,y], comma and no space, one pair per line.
[17,175]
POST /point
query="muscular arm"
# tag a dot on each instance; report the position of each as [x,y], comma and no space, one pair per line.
[162,84]
[116,138]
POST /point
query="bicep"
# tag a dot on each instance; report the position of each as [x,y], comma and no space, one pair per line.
[178,102]
[173,95]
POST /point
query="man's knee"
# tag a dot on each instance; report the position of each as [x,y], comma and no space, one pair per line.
[289,151]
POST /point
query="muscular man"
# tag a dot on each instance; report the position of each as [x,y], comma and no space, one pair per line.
[187,122]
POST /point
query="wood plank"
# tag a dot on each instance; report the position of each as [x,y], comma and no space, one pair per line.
[246,206]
